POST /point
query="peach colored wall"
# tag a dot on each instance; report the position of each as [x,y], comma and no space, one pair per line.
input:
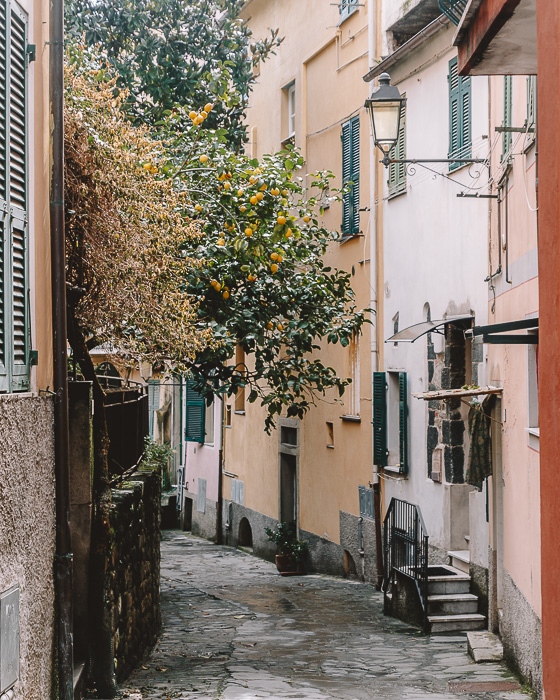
[327,65]
[39,174]
[516,299]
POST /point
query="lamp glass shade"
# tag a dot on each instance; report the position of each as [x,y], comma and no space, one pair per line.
[385,118]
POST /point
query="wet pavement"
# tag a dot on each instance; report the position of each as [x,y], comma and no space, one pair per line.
[234,629]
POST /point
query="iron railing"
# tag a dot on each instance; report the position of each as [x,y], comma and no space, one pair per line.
[405,548]
[453,9]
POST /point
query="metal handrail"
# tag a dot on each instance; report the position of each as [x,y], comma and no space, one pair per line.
[405,548]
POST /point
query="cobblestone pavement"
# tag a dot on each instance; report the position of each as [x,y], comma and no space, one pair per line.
[234,629]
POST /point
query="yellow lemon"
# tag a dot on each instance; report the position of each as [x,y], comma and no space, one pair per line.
[198,207]
[274,268]
[203,158]
[280,327]
[240,193]
[221,241]
[262,188]
[204,114]
[274,256]
[281,220]
[259,196]
[225,294]
[193,115]
[270,325]
[227,185]
[279,259]
[275,191]
[242,208]
[248,232]
[208,107]
[289,233]
[253,199]
[307,219]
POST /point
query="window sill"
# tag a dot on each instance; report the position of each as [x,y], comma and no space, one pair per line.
[349,418]
[239,413]
[330,447]
[394,470]
[397,193]
[349,237]
[533,441]
[288,141]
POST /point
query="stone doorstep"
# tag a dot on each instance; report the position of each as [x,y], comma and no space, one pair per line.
[484,646]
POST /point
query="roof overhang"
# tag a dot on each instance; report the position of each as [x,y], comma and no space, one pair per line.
[500,333]
[498,37]
[412,333]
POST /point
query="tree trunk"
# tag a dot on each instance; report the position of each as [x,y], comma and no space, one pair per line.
[100,617]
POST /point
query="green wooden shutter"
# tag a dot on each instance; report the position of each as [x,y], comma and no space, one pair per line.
[379,419]
[460,115]
[531,108]
[351,173]
[508,108]
[194,415]
[403,423]
[17,150]
[397,171]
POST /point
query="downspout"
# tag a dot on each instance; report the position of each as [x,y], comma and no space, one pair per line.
[376,271]
[63,554]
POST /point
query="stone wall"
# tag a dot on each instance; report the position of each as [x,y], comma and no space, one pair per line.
[135,564]
[27,534]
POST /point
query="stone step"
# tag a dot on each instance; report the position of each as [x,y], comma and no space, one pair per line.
[460,604]
[460,559]
[447,580]
[484,646]
[456,623]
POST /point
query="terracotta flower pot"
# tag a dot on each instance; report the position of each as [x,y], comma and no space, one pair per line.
[287,565]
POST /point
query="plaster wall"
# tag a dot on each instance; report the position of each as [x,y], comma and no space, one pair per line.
[39,182]
[27,533]
[327,59]
[435,252]
[203,461]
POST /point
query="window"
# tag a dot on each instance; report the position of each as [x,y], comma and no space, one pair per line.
[390,420]
[14,293]
[531,109]
[289,113]
[507,122]
[195,415]
[209,424]
[397,171]
[292,110]
[533,391]
[351,177]
[347,7]
[460,115]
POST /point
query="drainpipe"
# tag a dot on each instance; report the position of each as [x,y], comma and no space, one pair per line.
[63,554]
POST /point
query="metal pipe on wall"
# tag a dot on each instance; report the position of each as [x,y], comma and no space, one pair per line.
[63,555]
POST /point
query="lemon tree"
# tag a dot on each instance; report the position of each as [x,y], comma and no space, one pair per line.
[169,52]
[264,285]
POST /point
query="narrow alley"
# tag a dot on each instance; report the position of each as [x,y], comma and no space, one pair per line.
[234,629]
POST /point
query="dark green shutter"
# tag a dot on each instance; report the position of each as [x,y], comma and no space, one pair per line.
[460,115]
[379,419]
[17,148]
[351,173]
[508,108]
[397,171]
[403,424]
[194,415]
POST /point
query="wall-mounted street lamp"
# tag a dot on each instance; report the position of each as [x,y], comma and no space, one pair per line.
[385,110]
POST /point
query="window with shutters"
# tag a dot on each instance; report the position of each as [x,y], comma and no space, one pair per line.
[507,120]
[531,110]
[397,171]
[347,7]
[460,115]
[390,421]
[351,177]
[14,292]
[195,415]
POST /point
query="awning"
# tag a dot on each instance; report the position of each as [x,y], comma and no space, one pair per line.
[494,334]
[412,333]
[439,394]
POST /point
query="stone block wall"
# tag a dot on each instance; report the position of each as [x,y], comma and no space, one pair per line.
[135,569]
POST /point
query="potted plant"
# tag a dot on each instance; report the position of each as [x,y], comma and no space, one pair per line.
[290,550]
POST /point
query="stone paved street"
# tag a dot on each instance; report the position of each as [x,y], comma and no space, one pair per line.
[234,629]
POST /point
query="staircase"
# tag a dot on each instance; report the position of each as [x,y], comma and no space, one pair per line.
[450,605]
[437,597]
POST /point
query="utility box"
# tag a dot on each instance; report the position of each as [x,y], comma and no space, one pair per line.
[9,638]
